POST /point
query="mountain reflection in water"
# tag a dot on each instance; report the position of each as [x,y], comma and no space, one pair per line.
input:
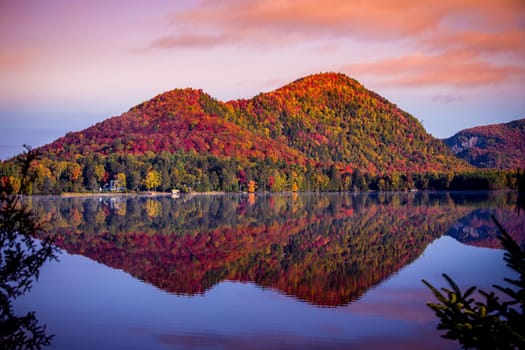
[327,250]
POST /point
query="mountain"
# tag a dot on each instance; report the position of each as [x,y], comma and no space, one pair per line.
[491,146]
[323,132]
[178,120]
[322,120]
[332,117]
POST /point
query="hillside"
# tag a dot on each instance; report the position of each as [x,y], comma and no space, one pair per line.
[324,119]
[492,146]
[178,120]
[332,117]
[324,132]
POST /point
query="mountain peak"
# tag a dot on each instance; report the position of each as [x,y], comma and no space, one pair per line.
[321,81]
[175,99]
[327,78]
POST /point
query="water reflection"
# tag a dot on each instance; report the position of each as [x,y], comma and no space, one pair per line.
[21,257]
[324,249]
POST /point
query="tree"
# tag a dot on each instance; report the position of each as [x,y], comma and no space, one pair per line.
[121,180]
[133,180]
[278,181]
[358,181]
[252,185]
[152,180]
[99,172]
[491,324]
[165,178]
[21,258]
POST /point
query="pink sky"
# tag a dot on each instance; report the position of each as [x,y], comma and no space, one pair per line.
[67,64]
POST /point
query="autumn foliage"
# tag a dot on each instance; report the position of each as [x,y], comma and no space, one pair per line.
[324,132]
[327,250]
[320,119]
[492,146]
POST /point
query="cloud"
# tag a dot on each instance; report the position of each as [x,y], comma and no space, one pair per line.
[367,20]
[451,68]
[450,42]
[447,98]
[274,21]
[258,340]
[14,60]
[481,42]
[189,41]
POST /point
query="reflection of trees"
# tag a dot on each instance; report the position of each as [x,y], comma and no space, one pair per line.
[334,260]
[490,323]
[478,229]
[326,249]
[193,215]
[21,257]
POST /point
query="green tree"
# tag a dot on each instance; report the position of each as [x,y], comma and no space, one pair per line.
[358,181]
[133,180]
[491,324]
[279,181]
[165,179]
[99,171]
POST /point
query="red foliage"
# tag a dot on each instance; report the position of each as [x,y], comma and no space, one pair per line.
[324,119]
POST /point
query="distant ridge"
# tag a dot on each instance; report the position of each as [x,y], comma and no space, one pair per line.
[492,146]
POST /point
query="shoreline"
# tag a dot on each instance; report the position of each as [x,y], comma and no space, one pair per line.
[113,194]
[135,194]
[218,193]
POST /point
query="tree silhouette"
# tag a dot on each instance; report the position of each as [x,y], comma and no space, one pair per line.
[21,257]
[492,323]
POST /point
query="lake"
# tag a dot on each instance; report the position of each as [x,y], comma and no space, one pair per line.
[284,271]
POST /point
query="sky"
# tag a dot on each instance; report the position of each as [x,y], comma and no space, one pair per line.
[68,64]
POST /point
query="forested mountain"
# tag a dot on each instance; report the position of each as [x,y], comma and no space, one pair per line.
[324,132]
[330,117]
[321,119]
[492,146]
[181,120]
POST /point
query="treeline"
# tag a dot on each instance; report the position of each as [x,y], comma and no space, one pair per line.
[193,172]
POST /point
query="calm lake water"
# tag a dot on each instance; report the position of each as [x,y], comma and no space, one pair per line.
[305,271]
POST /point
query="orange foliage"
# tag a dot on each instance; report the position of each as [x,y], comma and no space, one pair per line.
[323,119]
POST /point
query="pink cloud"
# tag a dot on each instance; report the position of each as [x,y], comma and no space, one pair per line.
[459,42]
[447,98]
[481,42]
[453,68]
[14,60]
[190,41]
[339,18]
[425,338]
[303,20]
